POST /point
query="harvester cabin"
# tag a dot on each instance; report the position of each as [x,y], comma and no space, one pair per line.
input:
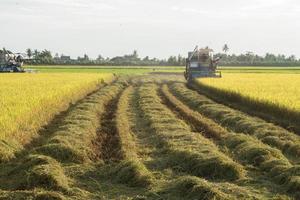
[201,58]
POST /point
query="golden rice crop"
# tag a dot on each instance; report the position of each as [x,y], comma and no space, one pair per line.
[282,90]
[28,101]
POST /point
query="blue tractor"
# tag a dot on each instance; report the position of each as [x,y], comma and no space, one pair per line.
[201,64]
[10,62]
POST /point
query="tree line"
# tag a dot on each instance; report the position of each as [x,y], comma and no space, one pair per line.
[45,57]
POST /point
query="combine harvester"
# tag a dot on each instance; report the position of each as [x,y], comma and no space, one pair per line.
[201,64]
[11,62]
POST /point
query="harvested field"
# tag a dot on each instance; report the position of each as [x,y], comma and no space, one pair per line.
[152,137]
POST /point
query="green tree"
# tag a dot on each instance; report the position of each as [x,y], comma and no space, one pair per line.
[292,58]
[172,60]
[146,59]
[135,54]
[29,53]
[225,48]
[36,53]
[100,58]
[45,57]
[86,57]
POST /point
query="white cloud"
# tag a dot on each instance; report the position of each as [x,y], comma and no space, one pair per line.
[148,24]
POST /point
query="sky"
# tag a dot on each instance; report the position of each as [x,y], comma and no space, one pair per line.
[157,28]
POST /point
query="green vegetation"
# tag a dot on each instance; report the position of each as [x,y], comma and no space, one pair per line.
[251,59]
[182,145]
[150,137]
[247,59]
[131,170]
[45,57]
[30,101]
[275,98]
[123,70]
[194,188]
[260,69]
[136,70]
[243,147]
[132,173]
[37,171]
[237,121]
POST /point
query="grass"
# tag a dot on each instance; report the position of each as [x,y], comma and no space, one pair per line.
[37,194]
[134,139]
[237,121]
[36,171]
[248,149]
[242,147]
[272,96]
[132,173]
[146,69]
[49,176]
[260,69]
[131,170]
[182,145]
[29,101]
[72,142]
[199,122]
[123,127]
[190,187]
[163,132]
[120,70]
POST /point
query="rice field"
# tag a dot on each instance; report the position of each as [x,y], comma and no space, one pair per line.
[275,94]
[123,70]
[151,137]
[282,90]
[29,101]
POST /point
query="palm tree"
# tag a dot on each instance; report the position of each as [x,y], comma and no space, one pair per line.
[36,53]
[29,53]
[251,56]
[225,48]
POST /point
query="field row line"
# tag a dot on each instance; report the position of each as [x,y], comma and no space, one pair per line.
[131,170]
[237,121]
[269,111]
[188,152]
[244,148]
[70,143]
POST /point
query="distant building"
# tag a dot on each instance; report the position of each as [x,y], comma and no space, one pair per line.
[65,58]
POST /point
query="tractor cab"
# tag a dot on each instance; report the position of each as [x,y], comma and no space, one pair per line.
[201,63]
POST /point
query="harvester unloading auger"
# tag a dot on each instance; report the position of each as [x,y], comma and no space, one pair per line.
[201,63]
